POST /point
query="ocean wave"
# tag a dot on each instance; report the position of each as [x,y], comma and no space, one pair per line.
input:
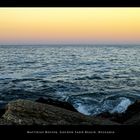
[89,106]
[122,106]
[92,77]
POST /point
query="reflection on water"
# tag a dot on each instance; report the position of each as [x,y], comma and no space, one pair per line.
[93,79]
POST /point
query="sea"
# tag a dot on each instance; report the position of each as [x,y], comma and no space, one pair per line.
[92,78]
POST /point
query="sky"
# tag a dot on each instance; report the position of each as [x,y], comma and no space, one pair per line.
[69,25]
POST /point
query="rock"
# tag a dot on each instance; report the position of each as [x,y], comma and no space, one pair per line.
[134,120]
[2,111]
[133,113]
[134,108]
[57,103]
[116,117]
[130,116]
[5,122]
[25,112]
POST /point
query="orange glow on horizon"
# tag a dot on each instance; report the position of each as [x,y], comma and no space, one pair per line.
[64,25]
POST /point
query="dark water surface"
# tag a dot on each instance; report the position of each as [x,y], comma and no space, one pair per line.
[93,78]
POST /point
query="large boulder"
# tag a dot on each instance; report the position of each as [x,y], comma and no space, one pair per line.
[25,112]
[134,120]
[133,113]
[57,103]
[130,117]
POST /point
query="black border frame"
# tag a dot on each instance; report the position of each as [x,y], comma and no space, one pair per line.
[69,3]
[22,130]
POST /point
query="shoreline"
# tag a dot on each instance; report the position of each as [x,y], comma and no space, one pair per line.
[53,112]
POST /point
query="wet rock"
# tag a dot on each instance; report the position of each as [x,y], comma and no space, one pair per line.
[130,116]
[134,120]
[134,108]
[116,117]
[2,111]
[25,112]
[133,113]
[57,103]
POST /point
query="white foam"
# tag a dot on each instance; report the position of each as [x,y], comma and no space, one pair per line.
[2,102]
[113,106]
[122,106]
[82,109]
[63,95]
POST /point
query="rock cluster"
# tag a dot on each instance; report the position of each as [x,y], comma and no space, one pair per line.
[26,112]
[52,112]
[130,117]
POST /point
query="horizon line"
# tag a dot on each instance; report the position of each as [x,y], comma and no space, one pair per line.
[68,44]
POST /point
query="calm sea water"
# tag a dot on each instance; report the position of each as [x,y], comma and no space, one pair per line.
[93,78]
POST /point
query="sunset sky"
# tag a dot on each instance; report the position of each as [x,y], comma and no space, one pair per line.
[69,25]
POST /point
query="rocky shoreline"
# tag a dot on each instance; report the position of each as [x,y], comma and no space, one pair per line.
[52,112]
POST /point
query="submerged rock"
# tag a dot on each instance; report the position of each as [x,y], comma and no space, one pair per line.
[25,112]
[57,103]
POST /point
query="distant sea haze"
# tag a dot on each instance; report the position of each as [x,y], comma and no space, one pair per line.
[93,78]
